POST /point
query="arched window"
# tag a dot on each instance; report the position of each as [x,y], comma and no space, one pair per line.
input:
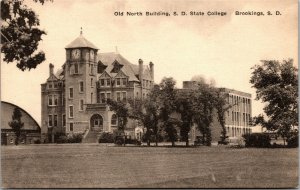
[114,119]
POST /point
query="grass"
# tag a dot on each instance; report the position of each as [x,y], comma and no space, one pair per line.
[101,166]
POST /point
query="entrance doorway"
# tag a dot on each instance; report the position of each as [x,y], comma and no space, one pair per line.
[96,122]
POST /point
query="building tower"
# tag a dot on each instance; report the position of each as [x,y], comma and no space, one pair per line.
[80,82]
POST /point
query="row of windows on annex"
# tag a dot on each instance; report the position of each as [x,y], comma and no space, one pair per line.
[53,120]
[240,119]
[114,122]
[236,131]
[240,103]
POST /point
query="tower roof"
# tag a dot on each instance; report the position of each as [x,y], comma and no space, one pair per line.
[81,42]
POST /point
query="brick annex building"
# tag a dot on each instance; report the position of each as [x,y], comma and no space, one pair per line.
[237,117]
[74,98]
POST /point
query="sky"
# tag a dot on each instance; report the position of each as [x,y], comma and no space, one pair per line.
[222,48]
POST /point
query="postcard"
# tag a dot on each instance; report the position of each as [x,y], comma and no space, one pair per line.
[149,94]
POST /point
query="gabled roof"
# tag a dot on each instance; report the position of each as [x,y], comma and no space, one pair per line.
[105,74]
[109,58]
[81,42]
[59,73]
[52,78]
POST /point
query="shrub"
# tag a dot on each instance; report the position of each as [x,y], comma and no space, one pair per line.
[72,138]
[62,139]
[119,140]
[75,138]
[292,141]
[259,140]
[37,141]
[106,138]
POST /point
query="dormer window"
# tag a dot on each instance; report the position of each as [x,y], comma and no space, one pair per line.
[117,67]
[101,67]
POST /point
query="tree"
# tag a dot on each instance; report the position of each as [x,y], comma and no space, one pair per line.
[276,84]
[184,106]
[222,106]
[20,35]
[203,107]
[16,124]
[147,112]
[121,110]
[167,99]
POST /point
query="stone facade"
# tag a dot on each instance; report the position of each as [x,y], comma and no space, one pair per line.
[74,98]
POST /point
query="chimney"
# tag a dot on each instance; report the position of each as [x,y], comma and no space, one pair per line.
[141,69]
[51,67]
[151,65]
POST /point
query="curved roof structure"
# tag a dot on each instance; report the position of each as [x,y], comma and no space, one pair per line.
[81,42]
[6,116]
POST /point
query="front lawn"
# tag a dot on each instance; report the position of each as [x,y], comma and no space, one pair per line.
[96,165]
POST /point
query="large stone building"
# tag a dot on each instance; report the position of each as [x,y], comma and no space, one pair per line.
[30,133]
[74,98]
[237,117]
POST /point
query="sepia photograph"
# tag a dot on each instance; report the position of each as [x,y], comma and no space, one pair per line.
[149,94]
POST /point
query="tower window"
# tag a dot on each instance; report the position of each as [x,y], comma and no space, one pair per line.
[92,80]
[76,68]
[55,120]
[71,126]
[81,105]
[92,69]
[71,111]
[64,120]
[70,92]
[81,86]
[50,120]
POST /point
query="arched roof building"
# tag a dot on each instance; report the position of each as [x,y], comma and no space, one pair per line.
[30,132]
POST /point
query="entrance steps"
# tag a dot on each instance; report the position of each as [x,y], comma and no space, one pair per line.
[91,137]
